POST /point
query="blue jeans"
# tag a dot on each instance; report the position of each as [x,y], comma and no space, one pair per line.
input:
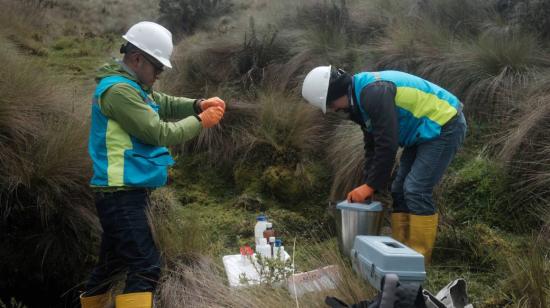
[422,166]
[126,244]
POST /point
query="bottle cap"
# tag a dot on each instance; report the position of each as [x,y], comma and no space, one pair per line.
[271,239]
[278,243]
[269,225]
[261,218]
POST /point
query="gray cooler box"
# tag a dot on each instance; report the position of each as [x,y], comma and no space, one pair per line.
[375,256]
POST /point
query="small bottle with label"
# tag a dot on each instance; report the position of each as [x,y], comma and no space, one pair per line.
[264,249]
[269,232]
[279,251]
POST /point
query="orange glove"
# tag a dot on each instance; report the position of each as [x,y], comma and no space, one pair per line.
[361,193]
[211,116]
[212,102]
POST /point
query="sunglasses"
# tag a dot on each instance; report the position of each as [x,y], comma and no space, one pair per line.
[159,68]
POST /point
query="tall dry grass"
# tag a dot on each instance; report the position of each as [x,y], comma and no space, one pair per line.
[184,16]
[346,150]
[178,239]
[529,284]
[525,146]
[233,65]
[23,22]
[46,211]
[468,50]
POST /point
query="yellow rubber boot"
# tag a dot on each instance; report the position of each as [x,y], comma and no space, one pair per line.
[96,301]
[134,300]
[422,232]
[400,227]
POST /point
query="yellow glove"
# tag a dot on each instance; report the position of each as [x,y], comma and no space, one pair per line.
[212,102]
[211,116]
[361,193]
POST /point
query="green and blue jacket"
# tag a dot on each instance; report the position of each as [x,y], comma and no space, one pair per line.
[129,134]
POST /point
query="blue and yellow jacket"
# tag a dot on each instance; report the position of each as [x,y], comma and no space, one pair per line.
[397,109]
[128,134]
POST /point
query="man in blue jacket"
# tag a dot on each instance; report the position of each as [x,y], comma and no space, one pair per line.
[127,144]
[396,109]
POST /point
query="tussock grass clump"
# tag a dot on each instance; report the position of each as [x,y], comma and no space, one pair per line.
[21,22]
[184,16]
[347,158]
[467,50]
[531,15]
[234,66]
[529,282]
[526,146]
[292,129]
[460,17]
[271,144]
[168,228]
[486,72]
[331,33]
[274,128]
[46,211]
[327,24]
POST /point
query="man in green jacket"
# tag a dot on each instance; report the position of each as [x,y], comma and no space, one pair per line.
[127,144]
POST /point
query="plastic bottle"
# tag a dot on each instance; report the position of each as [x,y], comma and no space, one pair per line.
[269,232]
[261,222]
[279,250]
[272,244]
[263,248]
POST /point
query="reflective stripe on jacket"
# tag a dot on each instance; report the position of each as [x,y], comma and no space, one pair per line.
[422,107]
[120,159]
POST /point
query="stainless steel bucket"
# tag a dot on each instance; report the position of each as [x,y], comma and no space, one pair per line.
[354,219]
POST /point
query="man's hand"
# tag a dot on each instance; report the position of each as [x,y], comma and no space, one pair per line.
[211,116]
[212,102]
[361,193]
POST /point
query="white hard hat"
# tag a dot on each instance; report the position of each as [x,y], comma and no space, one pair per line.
[315,87]
[153,39]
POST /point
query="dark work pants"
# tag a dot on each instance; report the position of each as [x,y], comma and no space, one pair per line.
[422,166]
[126,244]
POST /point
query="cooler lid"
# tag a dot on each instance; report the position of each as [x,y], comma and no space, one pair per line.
[373,206]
